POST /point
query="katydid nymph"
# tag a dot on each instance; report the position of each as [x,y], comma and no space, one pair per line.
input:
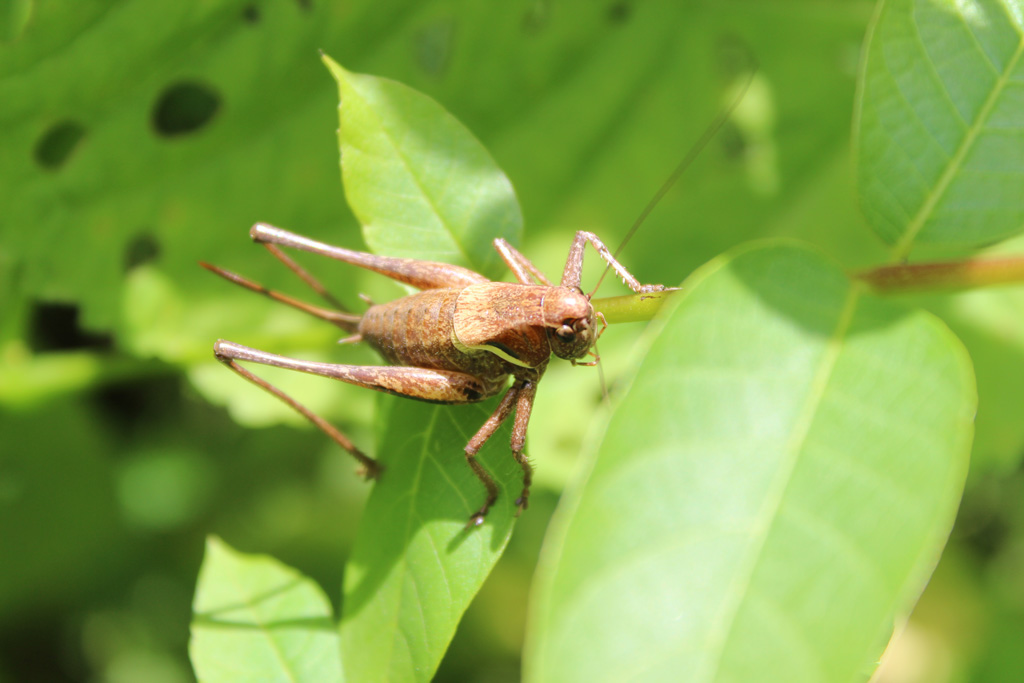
[458,340]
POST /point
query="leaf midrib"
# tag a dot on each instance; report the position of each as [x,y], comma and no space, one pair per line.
[719,632]
[953,167]
[403,572]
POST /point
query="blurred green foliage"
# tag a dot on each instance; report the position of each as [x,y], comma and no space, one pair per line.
[140,137]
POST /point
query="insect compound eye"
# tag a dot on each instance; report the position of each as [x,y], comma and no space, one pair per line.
[565,332]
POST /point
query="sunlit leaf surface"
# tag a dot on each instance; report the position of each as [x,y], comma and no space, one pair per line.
[421,184]
[940,125]
[415,567]
[771,493]
[257,620]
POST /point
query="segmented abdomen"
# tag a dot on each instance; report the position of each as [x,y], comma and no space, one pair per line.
[417,330]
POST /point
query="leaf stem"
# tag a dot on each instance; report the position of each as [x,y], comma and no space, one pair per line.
[632,307]
[944,275]
[908,277]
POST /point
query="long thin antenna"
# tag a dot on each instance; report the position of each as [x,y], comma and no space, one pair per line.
[695,150]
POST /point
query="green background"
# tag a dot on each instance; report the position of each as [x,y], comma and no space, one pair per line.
[140,137]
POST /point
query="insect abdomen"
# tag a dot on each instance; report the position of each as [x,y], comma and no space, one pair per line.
[417,330]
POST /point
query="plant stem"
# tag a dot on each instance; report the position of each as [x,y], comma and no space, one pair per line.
[632,307]
[917,277]
[911,277]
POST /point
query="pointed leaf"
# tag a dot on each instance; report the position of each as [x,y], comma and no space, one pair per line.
[255,619]
[416,178]
[800,465]
[941,133]
[415,567]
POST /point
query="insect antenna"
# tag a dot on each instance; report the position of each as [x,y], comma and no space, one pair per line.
[605,398]
[695,150]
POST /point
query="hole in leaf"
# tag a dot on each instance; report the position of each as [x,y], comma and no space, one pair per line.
[132,406]
[251,14]
[143,248]
[982,525]
[536,17]
[732,142]
[28,652]
[184,108]
[57,144]
[54,327]
[618,12]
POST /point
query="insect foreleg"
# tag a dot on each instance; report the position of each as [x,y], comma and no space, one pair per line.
[573,273]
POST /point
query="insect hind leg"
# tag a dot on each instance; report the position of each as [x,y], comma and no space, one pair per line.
[369,468]
[341,318]
[305,276]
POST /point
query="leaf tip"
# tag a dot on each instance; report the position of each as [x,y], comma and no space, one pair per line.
[216,548]
[337,71]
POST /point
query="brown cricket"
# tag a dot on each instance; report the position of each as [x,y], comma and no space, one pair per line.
[458,340]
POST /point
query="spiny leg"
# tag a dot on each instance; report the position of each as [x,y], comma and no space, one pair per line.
[438,386]
[520,266]
[524,404]
[425,384]
[485,432]
[345,321]
[305,276]
[573,273]
[369,468]
[419,274]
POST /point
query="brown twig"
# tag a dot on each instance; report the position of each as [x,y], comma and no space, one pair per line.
[944,275]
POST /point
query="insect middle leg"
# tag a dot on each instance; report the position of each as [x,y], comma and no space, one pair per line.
[340,317]
[519,397]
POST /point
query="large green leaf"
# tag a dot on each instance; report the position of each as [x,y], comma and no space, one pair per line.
[940,130]
[423,187]
[415,567]
[801,463]
[256,620]
[417,179]
[129,124]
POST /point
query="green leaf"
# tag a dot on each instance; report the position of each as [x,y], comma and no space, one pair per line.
[255,619]
[106,146]
[420,183]
[800,465]
[423,187]
[415,567]
[939,124]
[14,15]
